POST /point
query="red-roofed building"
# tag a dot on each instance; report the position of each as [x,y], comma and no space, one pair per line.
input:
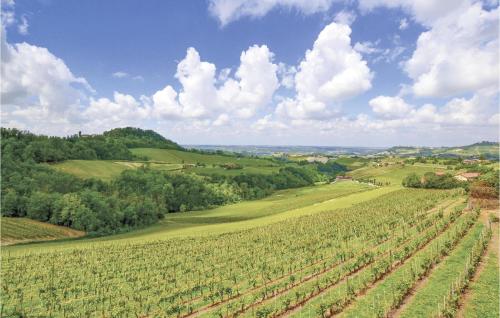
[467,176]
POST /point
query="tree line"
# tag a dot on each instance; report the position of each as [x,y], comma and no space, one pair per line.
[135,198]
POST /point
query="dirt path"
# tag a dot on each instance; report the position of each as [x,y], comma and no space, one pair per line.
[492,246]
[483,217]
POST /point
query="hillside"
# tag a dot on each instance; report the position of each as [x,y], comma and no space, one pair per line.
[377,242]
[139,138]
[170,160]
[393,174]
[486,149]
[22,230]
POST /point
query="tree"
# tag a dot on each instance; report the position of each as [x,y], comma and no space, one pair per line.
[9,203]
[40,206]
[412,181]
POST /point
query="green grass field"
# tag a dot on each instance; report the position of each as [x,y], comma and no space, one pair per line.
[167,160]
[482,300]
[353,163]
[394,174]
[177,156]
[101,169]
[232,172]
[22,230]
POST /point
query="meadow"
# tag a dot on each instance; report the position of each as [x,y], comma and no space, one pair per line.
[177,156]
[168,160]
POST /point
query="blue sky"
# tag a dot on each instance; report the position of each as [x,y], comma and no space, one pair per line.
[380,75]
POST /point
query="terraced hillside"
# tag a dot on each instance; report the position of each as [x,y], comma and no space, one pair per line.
[366,260]
[21,230]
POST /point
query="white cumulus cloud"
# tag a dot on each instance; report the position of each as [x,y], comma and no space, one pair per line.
[33,76]
[251,88]
[227,11]
[459,54]
[331,71]
[425,12]
[389,107]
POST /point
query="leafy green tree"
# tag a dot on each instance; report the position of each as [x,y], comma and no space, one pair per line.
[41,206]
[412,181]
[10,203]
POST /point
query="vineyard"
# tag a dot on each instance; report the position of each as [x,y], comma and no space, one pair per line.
[360,261]
[16,230]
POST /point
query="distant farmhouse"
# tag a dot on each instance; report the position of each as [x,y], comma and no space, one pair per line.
[467,176]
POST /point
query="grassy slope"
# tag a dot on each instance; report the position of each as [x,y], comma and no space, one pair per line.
[101,169]
[233,172]
[484,292]
[353,163]
[176,156]
[16,230]
[280,206]
[393,174]
[426,300]
[471,150]
[166,160]
[484,299]
[475,150]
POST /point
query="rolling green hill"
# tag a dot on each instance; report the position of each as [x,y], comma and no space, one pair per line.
[135,138]
[168,160]
[100,169]
[489,150]
[107,169]
[187,157]
[352,163]
[394,174]
[280,206]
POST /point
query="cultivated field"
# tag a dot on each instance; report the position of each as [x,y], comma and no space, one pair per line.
[396,254]
[21,230]
[282,205]
[394,174]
